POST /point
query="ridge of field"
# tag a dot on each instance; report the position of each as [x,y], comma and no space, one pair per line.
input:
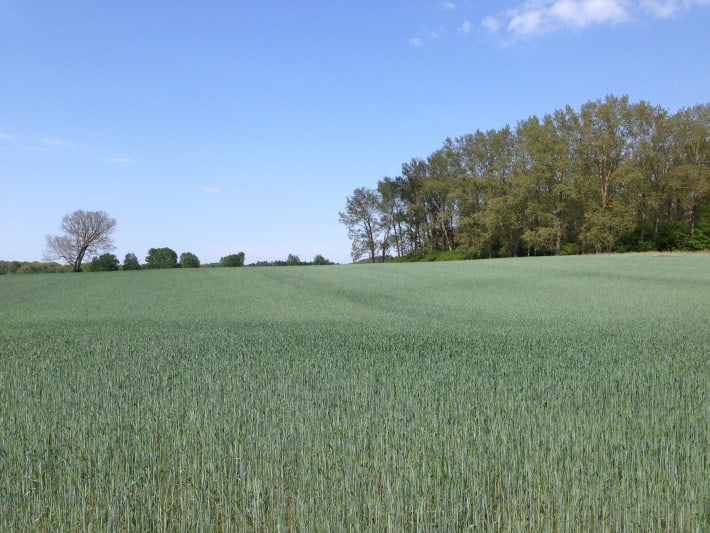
[564,393]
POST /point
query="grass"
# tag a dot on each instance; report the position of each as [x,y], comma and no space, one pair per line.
[561,394]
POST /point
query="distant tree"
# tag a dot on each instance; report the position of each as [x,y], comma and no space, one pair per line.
[35,267]
[85,232]
[293,260]
[361,218]
[234,260]
[320,260]
[9,267]
[275,263]
[189,260]
[161,258]
[130,262]
[104,263]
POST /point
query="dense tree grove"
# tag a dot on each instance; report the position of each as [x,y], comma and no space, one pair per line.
[613,176]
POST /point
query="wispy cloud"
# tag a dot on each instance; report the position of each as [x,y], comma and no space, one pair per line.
[465,27]
[438,32]
[56,142]
[660,9]
[7,136]
[668,8]
[414,42]
[491,24]
[119,160]
[209,189]
[449,6]
[537,17]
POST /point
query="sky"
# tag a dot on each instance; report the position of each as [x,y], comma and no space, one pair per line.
[223,126]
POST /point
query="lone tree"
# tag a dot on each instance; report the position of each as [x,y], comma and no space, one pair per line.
[84,232]
[361,218]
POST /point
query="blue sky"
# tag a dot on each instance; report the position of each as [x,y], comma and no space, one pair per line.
[216,127]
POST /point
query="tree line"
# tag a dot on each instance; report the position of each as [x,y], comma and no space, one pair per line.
[612,176]
[87,233]
[156,258]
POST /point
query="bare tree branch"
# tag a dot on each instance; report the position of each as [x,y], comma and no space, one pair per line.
[86,232]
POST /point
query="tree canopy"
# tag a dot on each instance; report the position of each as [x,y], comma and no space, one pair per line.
[611,176]
[161,258]
[104,263]
[189,260]
[130,262]
[233,260]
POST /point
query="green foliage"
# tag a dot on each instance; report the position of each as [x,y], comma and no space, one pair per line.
[699,238]
[293,260]
[103,263]
[31,267]
[570,248]
[189,260]
[449,255]
[234,260]
[320,260]
[611,176]
[131,262]
[161,258]
[9,267]
[541,394]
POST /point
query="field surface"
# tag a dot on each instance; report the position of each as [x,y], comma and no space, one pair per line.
[567,394]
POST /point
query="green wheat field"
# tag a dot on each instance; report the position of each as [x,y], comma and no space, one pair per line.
[541,394]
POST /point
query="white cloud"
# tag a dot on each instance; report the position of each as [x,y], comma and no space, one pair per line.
[535,17]
[491,24]
[583,12]
[668,8]
[449,6]
[465,27]
[415,42]
[209,189]
[539,17]
[526,21]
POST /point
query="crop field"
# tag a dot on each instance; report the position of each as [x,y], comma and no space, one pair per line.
[555,394]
